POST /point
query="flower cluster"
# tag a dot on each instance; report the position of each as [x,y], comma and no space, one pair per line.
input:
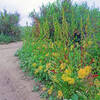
[83,72]
[34,64]
[60,94]
[61,70]
[66,77]
[50,90]
[38,69]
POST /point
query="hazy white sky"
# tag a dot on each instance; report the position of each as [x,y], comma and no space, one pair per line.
[24,7]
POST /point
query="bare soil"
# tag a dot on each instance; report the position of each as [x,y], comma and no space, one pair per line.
[13,83]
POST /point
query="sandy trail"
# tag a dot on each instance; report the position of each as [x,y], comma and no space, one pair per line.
[13,84]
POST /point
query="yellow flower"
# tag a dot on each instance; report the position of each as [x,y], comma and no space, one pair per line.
[62,66]
[68,79]
[44,89]
[81,73]
[50,90]
[68,71]
[34,64]
[60,94]
[71,80]
[36,71]
[63,77]
[87,70]
[40,68]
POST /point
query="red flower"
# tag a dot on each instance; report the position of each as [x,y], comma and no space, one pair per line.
[53,71]
[95,75]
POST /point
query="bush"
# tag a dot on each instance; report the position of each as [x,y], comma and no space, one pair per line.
[9,24]
[5,38]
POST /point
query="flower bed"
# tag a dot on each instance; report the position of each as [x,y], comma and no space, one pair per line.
[61,51]
[62,71]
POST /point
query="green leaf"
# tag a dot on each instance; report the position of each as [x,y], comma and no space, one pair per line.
[75,97]
[97,97]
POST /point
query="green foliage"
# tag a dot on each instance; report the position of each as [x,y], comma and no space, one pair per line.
[61,51]
[9,24]
[74,14]
[5,38]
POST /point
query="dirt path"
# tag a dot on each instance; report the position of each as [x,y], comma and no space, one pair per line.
[13,84]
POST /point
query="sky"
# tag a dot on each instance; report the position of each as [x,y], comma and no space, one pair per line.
[24,7]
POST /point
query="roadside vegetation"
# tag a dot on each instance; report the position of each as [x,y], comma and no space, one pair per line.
[9,27]
[61,51]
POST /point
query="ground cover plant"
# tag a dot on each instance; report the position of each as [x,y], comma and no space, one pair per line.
[9,27]
[62,52]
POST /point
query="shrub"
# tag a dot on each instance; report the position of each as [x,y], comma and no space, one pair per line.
[5,38]
[9,24]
